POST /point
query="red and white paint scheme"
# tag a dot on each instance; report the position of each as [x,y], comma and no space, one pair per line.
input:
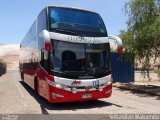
[65,56]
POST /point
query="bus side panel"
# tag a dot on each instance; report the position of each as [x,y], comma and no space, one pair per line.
[43,87]
[29,56]
[30,71]
[30,50]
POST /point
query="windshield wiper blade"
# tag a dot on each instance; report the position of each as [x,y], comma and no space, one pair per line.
[58,72]
[68,31]
[68,72]
[74,72]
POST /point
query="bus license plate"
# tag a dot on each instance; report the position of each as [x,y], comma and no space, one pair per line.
[87,96]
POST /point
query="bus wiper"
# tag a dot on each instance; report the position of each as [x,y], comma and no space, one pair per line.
[68,72]
[58,72]
[68,31]
[74,72]
[102,70]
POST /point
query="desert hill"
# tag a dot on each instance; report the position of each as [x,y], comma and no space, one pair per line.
[10,54]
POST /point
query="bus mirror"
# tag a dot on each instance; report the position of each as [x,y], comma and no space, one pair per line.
[118,41]
[46,40]
[119,49]
[47,46]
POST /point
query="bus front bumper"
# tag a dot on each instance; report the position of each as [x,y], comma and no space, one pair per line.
[60,95]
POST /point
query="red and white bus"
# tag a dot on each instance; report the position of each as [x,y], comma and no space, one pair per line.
[65,56]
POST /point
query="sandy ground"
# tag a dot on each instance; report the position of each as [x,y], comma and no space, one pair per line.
[10,53]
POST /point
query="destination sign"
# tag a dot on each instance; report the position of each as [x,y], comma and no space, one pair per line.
[78,39]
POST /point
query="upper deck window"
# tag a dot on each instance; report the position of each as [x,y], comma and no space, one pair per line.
[79,22]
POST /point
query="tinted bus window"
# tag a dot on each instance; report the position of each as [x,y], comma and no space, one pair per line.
[79,21]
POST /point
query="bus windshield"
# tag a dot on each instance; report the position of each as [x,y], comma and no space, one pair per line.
[79,60]
[70,21]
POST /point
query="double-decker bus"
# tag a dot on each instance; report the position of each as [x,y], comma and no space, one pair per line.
[65,56]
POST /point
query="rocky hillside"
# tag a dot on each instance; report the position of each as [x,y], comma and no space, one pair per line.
[10,54]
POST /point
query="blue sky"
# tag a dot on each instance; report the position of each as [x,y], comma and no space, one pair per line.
[16,16]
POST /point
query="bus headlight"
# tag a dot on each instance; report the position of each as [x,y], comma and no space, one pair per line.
[109,82]
[58,86]
[100,89]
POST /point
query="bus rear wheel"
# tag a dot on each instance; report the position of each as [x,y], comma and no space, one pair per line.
[22,76]
[0,72]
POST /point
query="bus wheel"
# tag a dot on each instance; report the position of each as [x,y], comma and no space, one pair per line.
[5,69]
[22,76]
[0,72]
[36,85]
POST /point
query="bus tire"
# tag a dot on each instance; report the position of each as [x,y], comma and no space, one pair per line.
[0,73]
[5,69]
[36,85]
[22,76]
